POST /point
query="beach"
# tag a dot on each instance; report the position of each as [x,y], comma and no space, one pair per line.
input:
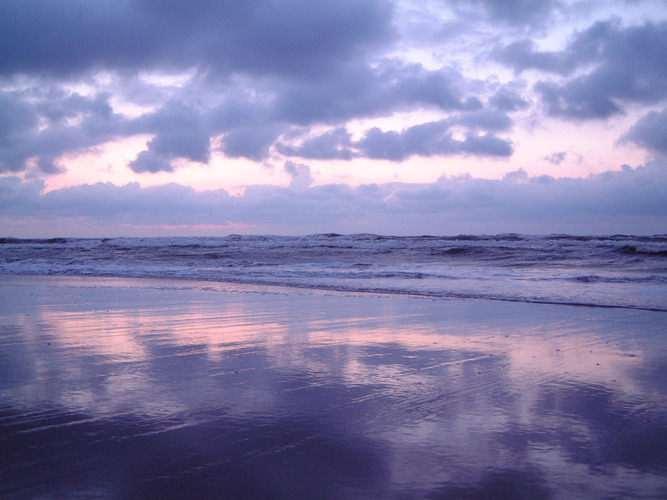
[148,388]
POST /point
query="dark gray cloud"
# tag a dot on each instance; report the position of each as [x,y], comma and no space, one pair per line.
[429,139]
[308,62]
[486,145]
[579,99]
[179,133]
[522,55]
[250,142]
[512,12]
[508,98]
[111,204]
[184,144]
[556,158]
[651,132]
[443,88]
[583,48]
[359,90]
[264,78]
[17,118]
[628,66]
[64,38]
[148,161]
[630,199]
[58,106]
[41,132]
[520,11]
[18,197]
[298,37]
[426,139]
[248,126]
[488,120]
[332,145]
[299,173]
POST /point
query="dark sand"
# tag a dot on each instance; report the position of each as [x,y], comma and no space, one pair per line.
[113,388]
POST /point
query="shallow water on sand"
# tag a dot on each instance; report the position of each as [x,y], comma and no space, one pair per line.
[119,388]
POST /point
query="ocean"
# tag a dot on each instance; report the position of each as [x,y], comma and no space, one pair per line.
[606,271]
[231,368]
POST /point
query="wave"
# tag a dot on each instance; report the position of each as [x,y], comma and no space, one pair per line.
[46,241]
[607,271]
[633,250]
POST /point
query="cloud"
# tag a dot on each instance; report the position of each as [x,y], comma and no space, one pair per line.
[17,119]
[284,50]
[118,205]
[628,66]
[288,81]
[58,106]
[651,132]
[179,132]
[284,37]
[332,145]
[244,115]
[147,161]
[522,55]
[631,200]
[359,90]
[429,139]
[41,127]
[425,139]
[257,71]
[250,142]
[487,120]
[508,98]
[584,48]
[556,158]
[579,99]
[301,37]
[184,144]
[19,197]
[300,175]
[513,12]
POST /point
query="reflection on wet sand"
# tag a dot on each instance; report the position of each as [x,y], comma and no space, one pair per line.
[119,388]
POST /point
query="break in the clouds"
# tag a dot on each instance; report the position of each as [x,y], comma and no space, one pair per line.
[330,91]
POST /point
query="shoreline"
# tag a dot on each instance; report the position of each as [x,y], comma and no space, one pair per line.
[121,387]
[235,286]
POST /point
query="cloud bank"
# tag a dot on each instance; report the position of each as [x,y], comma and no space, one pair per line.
[630,199]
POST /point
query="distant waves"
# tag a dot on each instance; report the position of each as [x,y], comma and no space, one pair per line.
[609,271]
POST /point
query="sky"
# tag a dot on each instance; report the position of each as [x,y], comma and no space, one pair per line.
[181,118]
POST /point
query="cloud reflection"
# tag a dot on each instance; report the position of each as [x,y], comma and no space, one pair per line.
[156,390]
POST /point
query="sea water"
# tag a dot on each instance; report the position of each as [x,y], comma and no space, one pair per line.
[607,271]
[174,383]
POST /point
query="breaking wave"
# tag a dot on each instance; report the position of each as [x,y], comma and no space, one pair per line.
[606,271]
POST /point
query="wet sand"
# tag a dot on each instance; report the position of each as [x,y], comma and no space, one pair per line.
[116,388]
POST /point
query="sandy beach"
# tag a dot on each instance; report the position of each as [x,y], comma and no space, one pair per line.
[129,388]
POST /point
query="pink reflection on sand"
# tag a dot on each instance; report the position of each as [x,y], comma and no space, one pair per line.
[122,334]
[520,357]
[406,348]
[530,355]
[448,389]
